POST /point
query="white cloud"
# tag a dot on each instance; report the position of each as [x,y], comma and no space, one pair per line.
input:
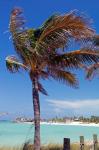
[77,106]
[74,104]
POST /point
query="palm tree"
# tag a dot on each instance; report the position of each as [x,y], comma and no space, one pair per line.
[42,53]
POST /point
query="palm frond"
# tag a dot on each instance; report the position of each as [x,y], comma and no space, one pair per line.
[92,71]
[85,55]
[43,74]
[63,76]
[61,28]
[41,89]
[13,64]
[49,20]
[16,21]
[22,38]
[96,40]
[73,59]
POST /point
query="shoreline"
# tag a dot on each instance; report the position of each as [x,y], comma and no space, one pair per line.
[74,123]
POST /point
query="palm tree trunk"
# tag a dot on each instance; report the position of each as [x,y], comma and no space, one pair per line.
[36,106]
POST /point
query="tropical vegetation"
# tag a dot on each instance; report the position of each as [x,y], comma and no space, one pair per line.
[43,53]
[91,119]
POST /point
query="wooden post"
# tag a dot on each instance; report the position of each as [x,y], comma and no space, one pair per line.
[66,144]
[81,142]
[95,142]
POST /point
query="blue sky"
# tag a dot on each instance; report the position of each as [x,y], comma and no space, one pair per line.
[15,89]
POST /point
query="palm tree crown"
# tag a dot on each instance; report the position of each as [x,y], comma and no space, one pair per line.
[41,51]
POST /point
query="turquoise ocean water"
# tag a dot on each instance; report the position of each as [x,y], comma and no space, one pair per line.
[13,134]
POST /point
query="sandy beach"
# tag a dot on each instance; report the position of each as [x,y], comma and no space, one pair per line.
[74,123]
